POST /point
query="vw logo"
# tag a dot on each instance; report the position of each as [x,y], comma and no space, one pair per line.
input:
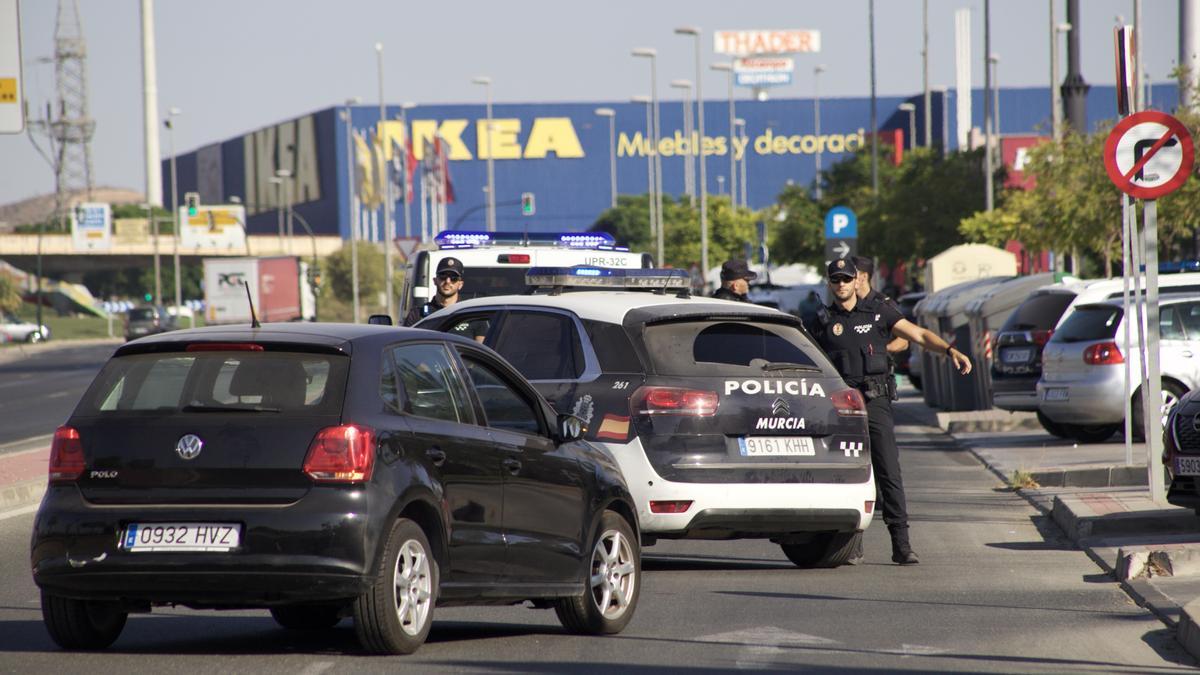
[189,446]
[780,408]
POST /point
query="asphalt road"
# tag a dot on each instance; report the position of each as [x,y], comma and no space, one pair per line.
[998,590]
[39,391]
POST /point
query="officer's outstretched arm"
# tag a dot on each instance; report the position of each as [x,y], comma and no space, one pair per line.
[897,344]
[930,340]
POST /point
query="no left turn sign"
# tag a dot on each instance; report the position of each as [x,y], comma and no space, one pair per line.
[1148,154]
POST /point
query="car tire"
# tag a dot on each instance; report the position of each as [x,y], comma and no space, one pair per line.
[35,337]
[307,617]
[1090,433]
[1052,427]
[82,624]
[385,623]
[614,581]
[829,549]
[1171,392]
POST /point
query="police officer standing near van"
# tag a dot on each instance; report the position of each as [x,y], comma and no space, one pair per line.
[854,333]
[449,280]
[736,276]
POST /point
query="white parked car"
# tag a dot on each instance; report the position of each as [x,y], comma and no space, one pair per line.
[16,330]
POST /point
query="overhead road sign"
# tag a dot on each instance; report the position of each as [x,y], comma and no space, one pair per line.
[841,223]
[91,226]
[761,42]
[12,106]
[220,226]
[1149,154]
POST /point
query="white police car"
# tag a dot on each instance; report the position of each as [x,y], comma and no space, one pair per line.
[726,420]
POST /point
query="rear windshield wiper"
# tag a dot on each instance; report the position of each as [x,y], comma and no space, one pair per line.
[783,365]
[196,407]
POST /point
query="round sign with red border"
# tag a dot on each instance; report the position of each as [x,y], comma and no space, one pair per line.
[1149,154]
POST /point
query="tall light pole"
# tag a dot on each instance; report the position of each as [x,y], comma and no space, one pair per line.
[655,231]
[408,188]
[874,112]
[817,70]
[740,125]
[486,83]
[994,63]
[694,31]
[689,167]
[652,55]
[277,181]
[928,100]
[389,227]
[150,110]
[612,150]
[285,209]
[157,262]
[988,153]
[1056,117]
[911,109]
[354,210]
[728,69]
[169,123]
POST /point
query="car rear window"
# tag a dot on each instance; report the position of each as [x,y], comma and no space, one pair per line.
[1097,322]
[485,282]
[719,348]
[216,382]
[1039,312]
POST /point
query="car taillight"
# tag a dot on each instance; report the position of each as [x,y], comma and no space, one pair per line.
[849,402]
[674,401]
[224,347]
[66,456]
[1041,337]
[513,258]
[344,454]
[679,506]
[1103,354]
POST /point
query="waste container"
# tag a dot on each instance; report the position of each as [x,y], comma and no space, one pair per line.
[943,313]
[986,313]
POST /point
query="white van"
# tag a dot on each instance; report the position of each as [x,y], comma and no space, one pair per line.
[495,262]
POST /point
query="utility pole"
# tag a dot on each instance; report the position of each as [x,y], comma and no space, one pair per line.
[1074,89]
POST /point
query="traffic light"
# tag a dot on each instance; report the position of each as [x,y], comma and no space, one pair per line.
[527,205]
[192,200]
[314,279]
[148,297]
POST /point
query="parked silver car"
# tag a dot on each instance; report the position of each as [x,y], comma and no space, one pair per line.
[13,329]
[1083,366]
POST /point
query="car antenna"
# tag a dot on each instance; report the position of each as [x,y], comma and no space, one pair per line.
[253,319]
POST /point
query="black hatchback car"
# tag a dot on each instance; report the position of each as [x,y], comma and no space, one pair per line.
[324,471]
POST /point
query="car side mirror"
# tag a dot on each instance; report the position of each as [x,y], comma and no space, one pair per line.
[570,428]
[380,319]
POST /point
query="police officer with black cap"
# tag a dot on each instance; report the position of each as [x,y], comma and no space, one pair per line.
[449,281]
[854,333]
[736,276]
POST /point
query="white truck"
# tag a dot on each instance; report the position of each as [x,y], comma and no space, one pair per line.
[278,286]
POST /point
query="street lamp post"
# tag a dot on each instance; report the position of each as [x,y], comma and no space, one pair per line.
[1056,117]
[689,167]
[817,70]
[389,227]
[728,69]
[989,152]
[277,181]
[486,83]
[652,55]
[650,193]
[695,33]
[354,211]
[612,150]
[408,188]
[157,262]
[911,109]
[740,125]
[283,178]
[994,62]
[169,123]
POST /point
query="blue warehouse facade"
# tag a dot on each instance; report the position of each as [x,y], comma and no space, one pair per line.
[561,153]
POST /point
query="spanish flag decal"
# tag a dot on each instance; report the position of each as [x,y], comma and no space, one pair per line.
[614,428]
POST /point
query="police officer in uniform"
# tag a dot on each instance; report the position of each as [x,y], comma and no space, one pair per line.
[854,334]
[449,281]
[736,276]
[863,289]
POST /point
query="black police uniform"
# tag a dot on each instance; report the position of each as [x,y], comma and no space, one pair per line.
[856,343]
[723,293]
[880,297]
[417,313]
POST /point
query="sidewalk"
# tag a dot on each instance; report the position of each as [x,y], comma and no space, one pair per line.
[1102,504]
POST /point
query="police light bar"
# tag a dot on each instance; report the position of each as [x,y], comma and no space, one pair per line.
[568,239]
[607,277]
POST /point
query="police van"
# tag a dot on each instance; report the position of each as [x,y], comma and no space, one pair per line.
[496,262]
[726,420]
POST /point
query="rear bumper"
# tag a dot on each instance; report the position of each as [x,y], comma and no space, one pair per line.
[744,510]
[1097,401]
[1014,393]
[318,549]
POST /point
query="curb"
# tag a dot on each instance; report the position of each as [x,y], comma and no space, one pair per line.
[973,421]
[20,495]
[1080,527]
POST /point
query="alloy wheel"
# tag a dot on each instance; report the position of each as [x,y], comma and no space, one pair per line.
[413,583]
[614,574]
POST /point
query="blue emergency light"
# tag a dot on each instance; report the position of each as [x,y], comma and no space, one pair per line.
[607,277]
[567,239]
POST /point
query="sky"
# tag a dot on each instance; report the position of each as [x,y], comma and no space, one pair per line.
[237,65]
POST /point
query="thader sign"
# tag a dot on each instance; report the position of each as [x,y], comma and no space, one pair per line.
[756,42]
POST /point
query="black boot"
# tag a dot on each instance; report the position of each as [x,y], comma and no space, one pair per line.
[902,553]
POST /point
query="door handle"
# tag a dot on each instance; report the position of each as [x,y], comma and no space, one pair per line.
[436,456]
[513,466]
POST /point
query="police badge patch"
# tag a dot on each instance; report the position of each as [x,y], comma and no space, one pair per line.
[837,329]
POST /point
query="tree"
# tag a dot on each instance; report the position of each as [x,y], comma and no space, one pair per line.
[800,236]
[10,293]
[729,229]
[339,271]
